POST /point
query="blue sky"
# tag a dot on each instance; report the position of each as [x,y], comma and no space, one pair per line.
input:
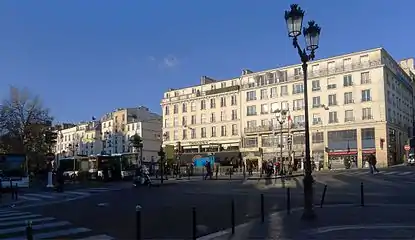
[85,58]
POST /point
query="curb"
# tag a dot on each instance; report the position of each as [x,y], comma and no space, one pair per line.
[214,235]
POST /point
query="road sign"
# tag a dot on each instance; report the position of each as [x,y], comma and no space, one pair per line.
[407,148]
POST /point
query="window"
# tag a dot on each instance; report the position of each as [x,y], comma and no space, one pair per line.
[348,116]
[184,134]
[264,108]
[333,117]
[367,114]
[331,67]
[251,124]
[193,133]
[298,71]
[284,91]
[298,104]
[316,119]
[364,60]
[251,110]
[222,85]
[317,137]
[331,83]
[213,132]
[233,100]
[315,85]
[202,118]
[285,105]
[298,88]
[175,135]
[274,107]
[299,119]
[234,114]
[264,94]
[212,103]
[223,102]
[347,80]
[223,131]
[250,96]
[316,102]
[212,117]
[364,78]
[166,110]
[203,132]
[184,107]
[234,129]
[274,92]
[175,109]
[193,106]
[264,122]
[366,96]
[223,116]
[332,100]
[193,119]
[315,69]
[166,124]
[348,98]
[175,121]
[347,64]
[203,105]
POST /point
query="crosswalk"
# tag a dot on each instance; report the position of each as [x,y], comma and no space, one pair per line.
[55,196]
[13,227]
[387,173]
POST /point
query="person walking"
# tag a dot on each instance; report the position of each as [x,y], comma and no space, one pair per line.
[372,164]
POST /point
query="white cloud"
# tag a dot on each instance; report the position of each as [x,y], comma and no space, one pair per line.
[170,61]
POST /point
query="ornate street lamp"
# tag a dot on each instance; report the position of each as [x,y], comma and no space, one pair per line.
[281,116]
[294,20]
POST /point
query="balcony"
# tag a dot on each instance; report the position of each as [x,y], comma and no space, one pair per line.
[326,72]
[258,129]
[349,119]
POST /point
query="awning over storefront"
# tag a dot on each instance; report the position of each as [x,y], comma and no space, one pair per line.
[352,152]
[220,157]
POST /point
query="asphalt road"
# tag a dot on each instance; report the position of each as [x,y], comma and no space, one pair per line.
[167,210]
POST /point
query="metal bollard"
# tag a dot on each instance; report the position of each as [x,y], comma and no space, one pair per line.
[138,222]
[194,224]
[233,215]
[262,208]
[362,195]
[323,196]
[29,230]
[288,200]
[188,173]
[16,191]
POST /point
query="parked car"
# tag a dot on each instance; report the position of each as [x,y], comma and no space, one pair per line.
[411,159]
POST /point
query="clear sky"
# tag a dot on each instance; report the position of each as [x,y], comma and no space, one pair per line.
[88,57]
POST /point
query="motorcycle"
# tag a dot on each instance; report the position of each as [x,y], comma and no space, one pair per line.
[142,178]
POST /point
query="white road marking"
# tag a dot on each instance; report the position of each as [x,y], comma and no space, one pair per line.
[39,195]
[34,227]
[79,193]
[20,217]
[100,237]
[390,173]
[29,198]
[360,227]
[13,214]
[404,173]
[23,222]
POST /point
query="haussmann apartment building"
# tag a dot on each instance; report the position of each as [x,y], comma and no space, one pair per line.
[359,103]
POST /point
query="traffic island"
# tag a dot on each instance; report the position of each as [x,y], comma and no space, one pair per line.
[378,221]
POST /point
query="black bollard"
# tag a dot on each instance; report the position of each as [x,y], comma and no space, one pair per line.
[233,216]
[288,200]
[29,231]
[194,224]
[262,208]
[138,222]
[188,173]
[16,191]
[362,195]
[323,196]
[230,173]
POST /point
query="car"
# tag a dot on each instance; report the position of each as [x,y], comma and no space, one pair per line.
[411,159]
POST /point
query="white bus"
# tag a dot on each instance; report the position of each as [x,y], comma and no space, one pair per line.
[14,170]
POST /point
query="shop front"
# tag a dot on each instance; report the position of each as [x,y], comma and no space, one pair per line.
[342,159]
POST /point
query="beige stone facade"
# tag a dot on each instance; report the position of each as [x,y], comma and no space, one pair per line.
[360,103]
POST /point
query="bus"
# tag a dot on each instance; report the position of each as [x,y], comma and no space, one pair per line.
[14,170]
[73,166]
[127,166]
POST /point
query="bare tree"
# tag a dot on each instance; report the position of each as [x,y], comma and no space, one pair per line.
[23,122]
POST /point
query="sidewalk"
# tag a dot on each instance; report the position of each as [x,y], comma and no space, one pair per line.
[380,221]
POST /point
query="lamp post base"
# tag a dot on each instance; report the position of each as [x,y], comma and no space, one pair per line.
[308,213]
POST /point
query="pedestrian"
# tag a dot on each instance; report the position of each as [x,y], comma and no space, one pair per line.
[372,164]
[208,170]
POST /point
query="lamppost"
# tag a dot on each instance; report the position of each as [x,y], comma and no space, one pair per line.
[281,116]
[179,152]
[294,19]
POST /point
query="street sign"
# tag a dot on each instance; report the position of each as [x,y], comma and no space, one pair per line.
[407,147]
[50,156]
